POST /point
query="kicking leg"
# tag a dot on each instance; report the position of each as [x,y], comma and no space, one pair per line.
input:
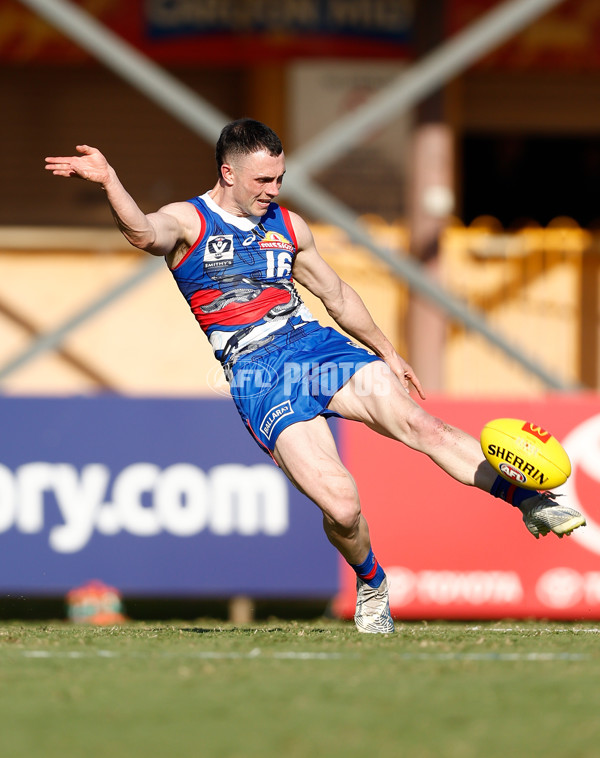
[376,397]
[389,410]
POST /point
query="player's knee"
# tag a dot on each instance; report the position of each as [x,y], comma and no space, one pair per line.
[343,510]
[344,523]
[427,431]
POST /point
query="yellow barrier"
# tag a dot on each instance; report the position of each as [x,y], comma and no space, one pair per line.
[539,287]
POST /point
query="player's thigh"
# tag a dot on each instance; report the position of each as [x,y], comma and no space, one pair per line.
[307,453]
[375,396]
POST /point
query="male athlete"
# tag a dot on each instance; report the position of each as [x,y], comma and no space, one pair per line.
[235,254]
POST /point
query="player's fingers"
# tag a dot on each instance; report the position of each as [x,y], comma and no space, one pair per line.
[414,380]
[63,166]
[66,172]
[58,164]
[62,163]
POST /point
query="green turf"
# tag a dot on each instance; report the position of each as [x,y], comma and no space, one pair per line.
[299,690]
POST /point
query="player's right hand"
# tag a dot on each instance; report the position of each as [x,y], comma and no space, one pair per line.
[90,165]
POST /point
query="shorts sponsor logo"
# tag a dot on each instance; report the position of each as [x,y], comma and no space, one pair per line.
[512,473]
[219,251]
[274,416]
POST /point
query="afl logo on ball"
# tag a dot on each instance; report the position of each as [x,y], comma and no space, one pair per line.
[512,473]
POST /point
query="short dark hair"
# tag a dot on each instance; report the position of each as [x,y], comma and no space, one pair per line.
[243,137]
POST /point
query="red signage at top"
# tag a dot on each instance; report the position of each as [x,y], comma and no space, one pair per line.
[233,32]
[229,32]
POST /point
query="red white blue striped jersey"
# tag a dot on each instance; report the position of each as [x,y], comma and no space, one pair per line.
[237,278]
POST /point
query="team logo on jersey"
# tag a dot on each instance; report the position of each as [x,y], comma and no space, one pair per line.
[219,251]
[276,241]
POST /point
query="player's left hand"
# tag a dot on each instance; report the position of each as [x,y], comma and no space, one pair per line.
[406,374]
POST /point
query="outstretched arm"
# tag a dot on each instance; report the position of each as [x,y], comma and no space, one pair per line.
[157,233]
[344,305]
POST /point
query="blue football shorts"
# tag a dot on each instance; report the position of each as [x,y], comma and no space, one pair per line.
[280,384]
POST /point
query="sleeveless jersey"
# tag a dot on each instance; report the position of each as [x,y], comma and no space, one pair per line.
[237,279]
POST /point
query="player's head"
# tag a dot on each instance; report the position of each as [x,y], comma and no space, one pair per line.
[243,137]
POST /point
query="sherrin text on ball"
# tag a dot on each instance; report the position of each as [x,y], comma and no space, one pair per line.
[525,453]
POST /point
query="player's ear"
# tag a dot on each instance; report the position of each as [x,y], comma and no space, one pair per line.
[228,174]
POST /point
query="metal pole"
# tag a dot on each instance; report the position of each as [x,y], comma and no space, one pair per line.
[119,56]
[53,339]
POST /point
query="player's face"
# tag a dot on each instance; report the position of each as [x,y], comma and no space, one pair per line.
[257,179]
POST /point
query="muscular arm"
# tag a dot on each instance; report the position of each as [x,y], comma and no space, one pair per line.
[156,233]
[344,304]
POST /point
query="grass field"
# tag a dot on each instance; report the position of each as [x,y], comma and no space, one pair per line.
[305,690]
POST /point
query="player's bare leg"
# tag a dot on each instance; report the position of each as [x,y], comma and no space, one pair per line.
[388,409]
[307,453]
[375,396]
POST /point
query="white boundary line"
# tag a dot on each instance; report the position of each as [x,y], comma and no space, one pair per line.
[256,653]
[200,655]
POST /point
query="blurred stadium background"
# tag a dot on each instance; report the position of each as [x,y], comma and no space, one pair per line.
[485,185]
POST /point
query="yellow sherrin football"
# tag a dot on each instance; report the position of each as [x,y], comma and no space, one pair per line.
[525,454]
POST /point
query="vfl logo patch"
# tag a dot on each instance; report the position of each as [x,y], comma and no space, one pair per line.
[219,251]
[273,416]
[512,472]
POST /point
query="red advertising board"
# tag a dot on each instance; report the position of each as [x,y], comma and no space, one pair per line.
[454,552]
[234,32]
[237,32]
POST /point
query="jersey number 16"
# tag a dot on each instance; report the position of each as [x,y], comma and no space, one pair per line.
[284,265]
